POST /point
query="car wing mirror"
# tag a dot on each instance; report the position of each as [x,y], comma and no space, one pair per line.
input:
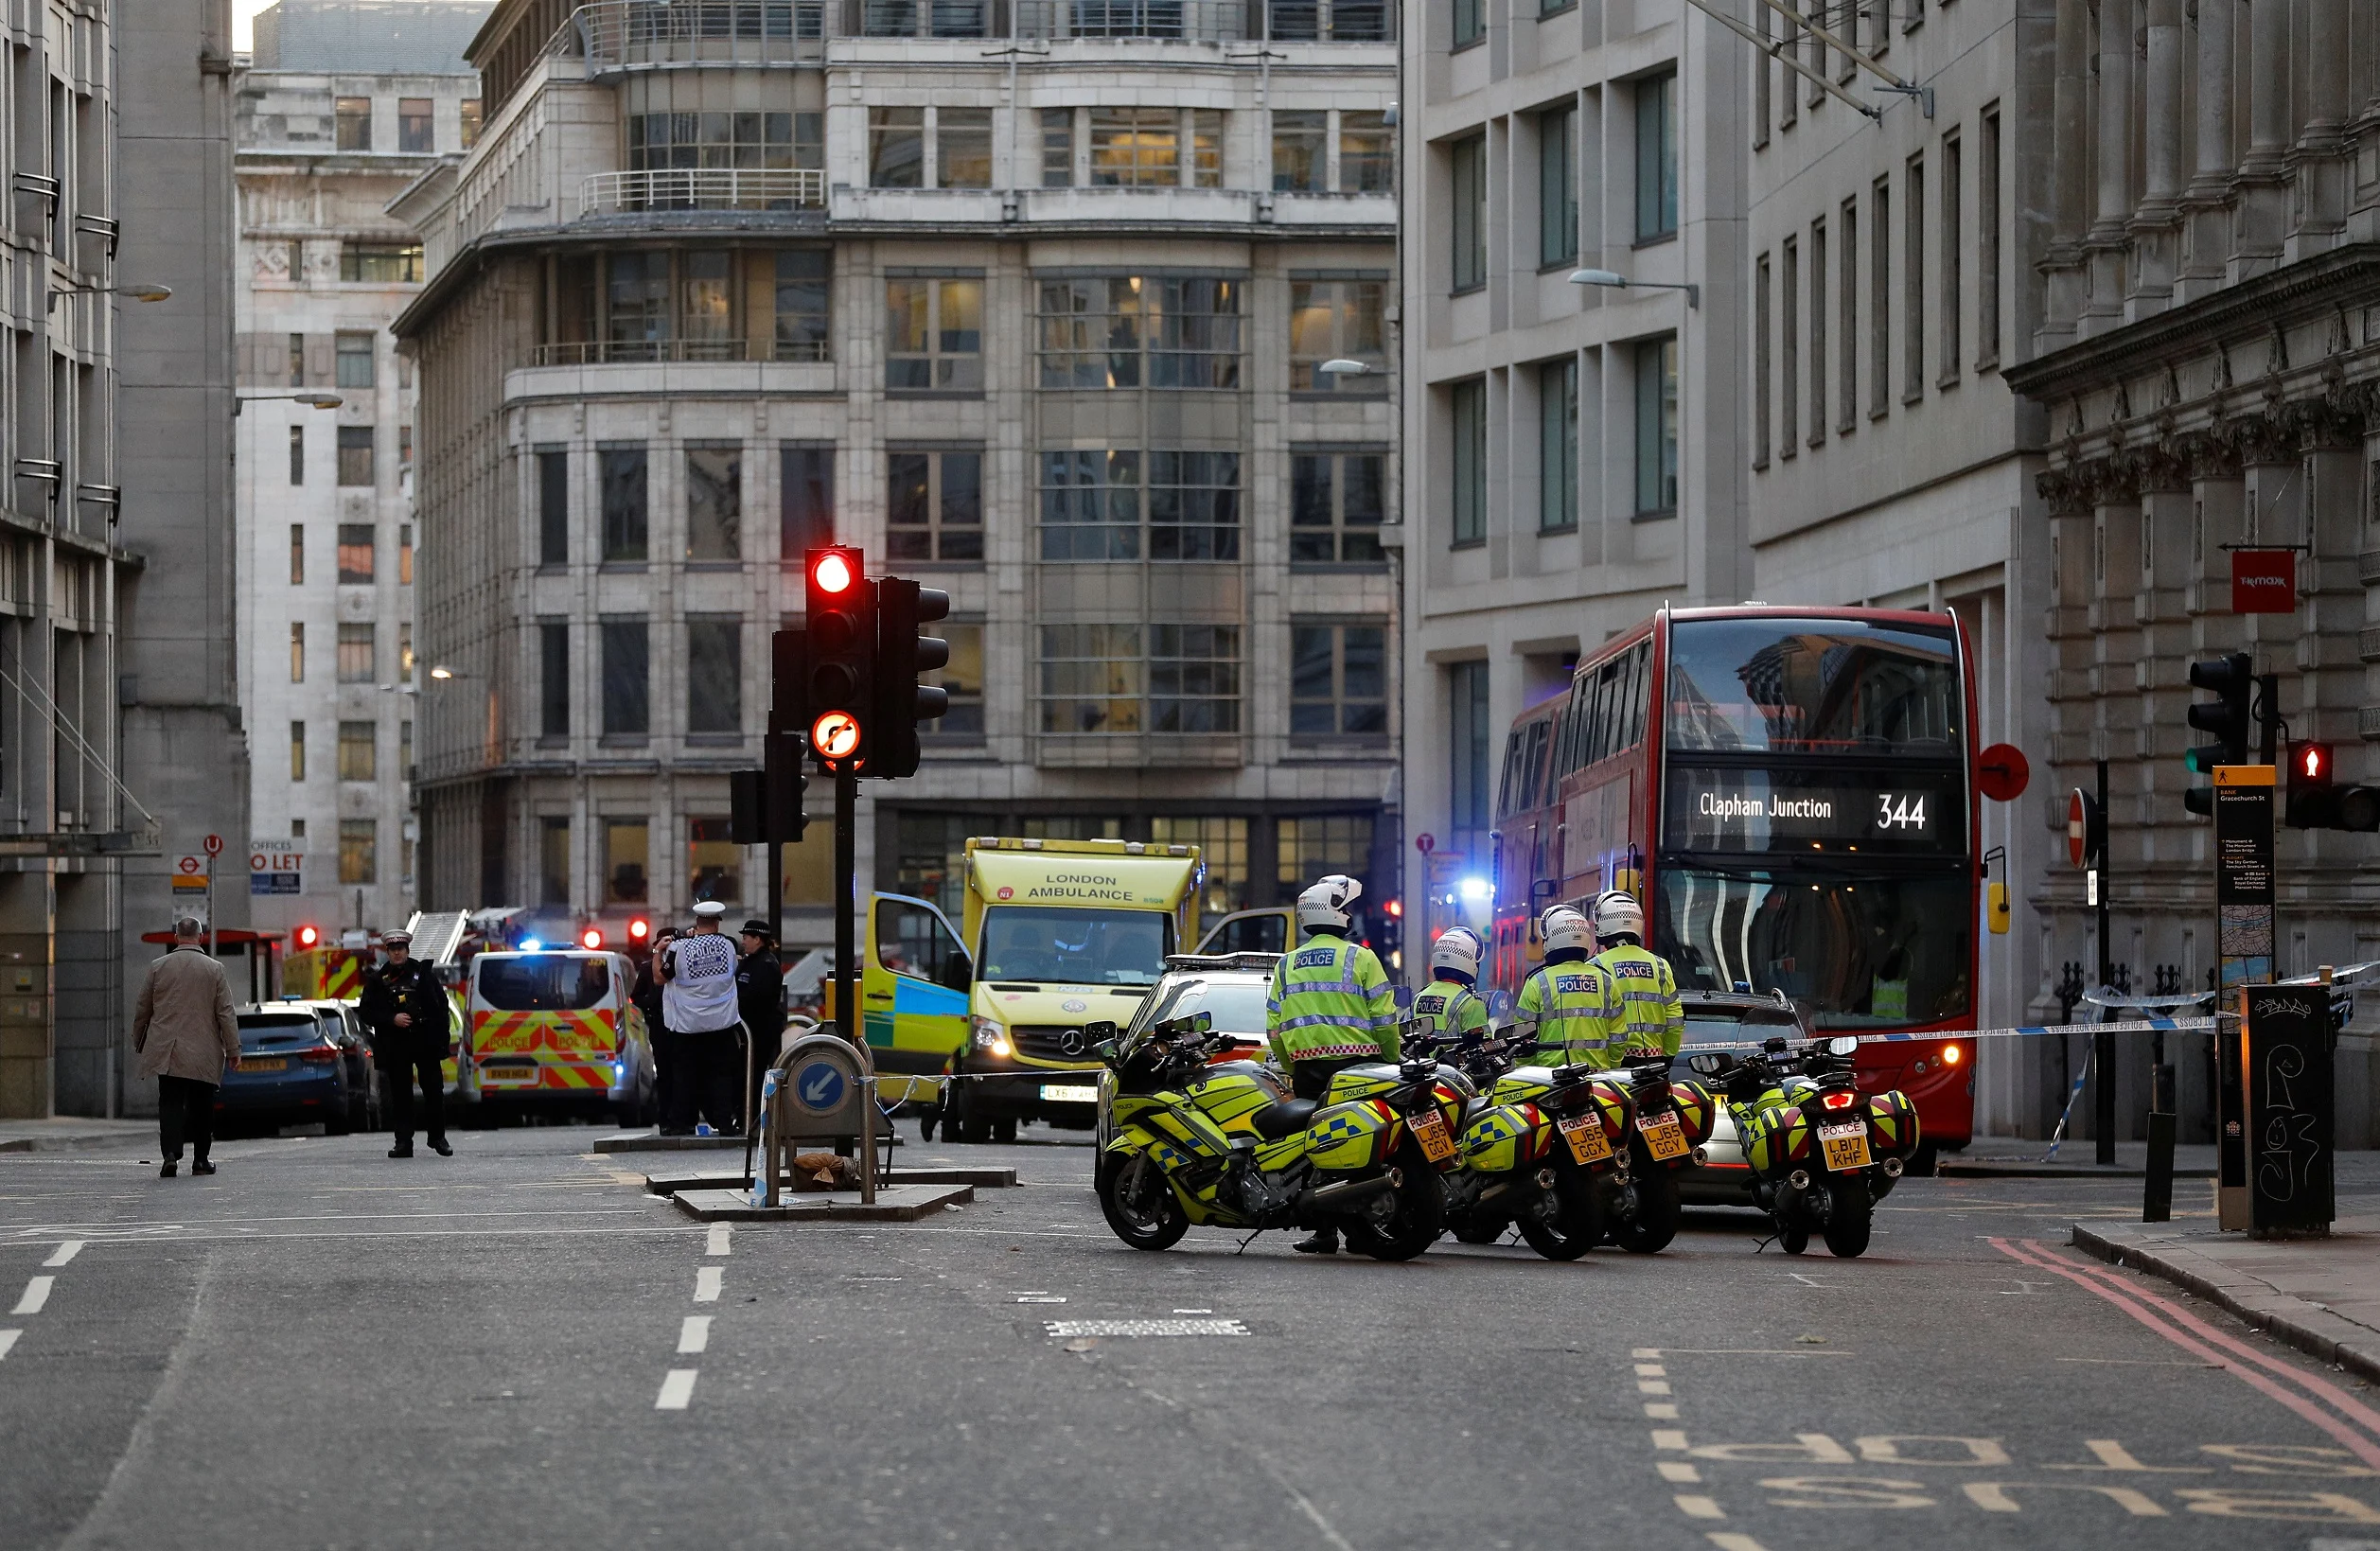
[1843,1045]
[1709,1063]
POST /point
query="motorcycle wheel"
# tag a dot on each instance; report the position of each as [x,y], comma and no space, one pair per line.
[1849,1217]
[1578,1224]
[1793,1240]
[1421,1215]
[1656,1220]
[1153,1223]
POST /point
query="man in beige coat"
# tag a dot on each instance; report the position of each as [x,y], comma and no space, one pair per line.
[185,1031]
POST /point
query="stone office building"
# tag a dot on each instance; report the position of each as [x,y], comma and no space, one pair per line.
[1027,298]
[2209,359]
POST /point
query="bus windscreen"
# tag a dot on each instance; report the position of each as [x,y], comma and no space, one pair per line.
[1858,952]
[1815,686]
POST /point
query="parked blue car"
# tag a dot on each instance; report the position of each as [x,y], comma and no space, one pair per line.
[300,1063]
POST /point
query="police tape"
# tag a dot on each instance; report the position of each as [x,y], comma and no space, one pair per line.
[2033,1030]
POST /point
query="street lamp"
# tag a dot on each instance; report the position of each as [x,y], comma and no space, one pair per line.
[1621,282]
[138,293]
[310,398]
[1341,367]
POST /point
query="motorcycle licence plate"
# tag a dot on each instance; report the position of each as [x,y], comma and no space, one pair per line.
[1429,1129]
[1847,1145]
[1663,1137]
[1585,1135]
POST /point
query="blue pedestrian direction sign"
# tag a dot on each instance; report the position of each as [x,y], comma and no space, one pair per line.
[819,1086]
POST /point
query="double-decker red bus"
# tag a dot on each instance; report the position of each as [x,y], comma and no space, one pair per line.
[1796,810]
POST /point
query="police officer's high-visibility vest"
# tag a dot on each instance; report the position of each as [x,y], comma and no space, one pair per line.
[1330,1000]
[1449,1006]
[1572,1004]
[1641,1003]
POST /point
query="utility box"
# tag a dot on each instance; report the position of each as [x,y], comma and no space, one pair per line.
[2289,1087]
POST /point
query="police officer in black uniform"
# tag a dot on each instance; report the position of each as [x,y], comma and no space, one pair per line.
[405,1005]
[760,999]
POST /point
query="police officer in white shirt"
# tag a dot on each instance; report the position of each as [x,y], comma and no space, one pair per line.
[699,1009]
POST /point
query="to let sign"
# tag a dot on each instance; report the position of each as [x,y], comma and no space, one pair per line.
[275,867]
[2264,581]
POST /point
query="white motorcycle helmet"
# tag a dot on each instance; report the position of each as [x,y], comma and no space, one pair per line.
[1458,948]
[1323,906]
[1563,928]
[1618,914]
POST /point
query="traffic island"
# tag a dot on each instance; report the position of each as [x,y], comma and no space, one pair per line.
[650,1142]
[2316,1295]
[714,1179]
[893,1204]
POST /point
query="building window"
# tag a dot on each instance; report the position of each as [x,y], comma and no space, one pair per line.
[1338,320]
[359,851]
[1558,186]
[625,852]
[714,863]
[961,678]
[415,121]
[404,554]
[297,554]
[359,752]
[1090,506]
[297,751]
[898,139]
[1817,332]
[351,119]
[1315,845]
[1193,506]
[1302,144]
[298,354]
[896,147]
[627,711]
[1368,152]
[1193,679]
[356,552]
[1095,330]
[554,677]
[1952,246]
[934,505]
[937,335]
[1881,297]
[1763,404]
[714,500]
[405,755]
[1092,677]
[554,860]
[1470,223]
[1763,83]
[805,290]
[1913,282]
[359,654]
[1657,427]
[355,455]
[1470,23]
[706,304]
[805,500]
[1338,681]
[1789,350]
[404,651]
[621,470]
[1134,147]
[297,454]
[471,113]
[715,675]
[1988,245]
[379,263]
[553,506]
[1469,463]
[1337,502]
[1557,446]
[297,652]
[1057,147]
[638,313]
[1847,287]
[1657,157]
[1467,746]
[718,140]
[962,148]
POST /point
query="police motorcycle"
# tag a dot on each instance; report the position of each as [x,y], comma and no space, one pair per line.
[1218,1144]
[1535,1147]
[1668,1120]
[1822,1152]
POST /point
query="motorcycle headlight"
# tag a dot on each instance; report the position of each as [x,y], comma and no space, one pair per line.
[991,1038]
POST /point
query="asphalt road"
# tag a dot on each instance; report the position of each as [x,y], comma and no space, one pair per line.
[518,1348]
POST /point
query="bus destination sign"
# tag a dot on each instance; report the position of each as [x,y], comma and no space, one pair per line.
[1904,814]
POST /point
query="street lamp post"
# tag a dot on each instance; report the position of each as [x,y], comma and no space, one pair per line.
[1621,282]
[138,293]
[310,398]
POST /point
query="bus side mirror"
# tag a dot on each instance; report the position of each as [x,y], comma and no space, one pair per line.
[1996,908]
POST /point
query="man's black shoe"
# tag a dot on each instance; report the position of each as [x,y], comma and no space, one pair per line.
[442,1147]
[1321,1244]
[201,1167]
[171,1168]
[402,1149]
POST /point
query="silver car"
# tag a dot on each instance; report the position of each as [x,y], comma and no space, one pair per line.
[1739,1023]
[1229,987]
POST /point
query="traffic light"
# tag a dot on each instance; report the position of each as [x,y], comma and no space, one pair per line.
[2231,678]
[591,939]
[902,654]
[308,937]
[765,806]
[840,649]
[2316,800]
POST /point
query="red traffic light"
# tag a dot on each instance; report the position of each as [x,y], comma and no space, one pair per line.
[1396,909]
[2310,763]
[639,929]
[591,939]
[832,571]
[836,735]
[308,937]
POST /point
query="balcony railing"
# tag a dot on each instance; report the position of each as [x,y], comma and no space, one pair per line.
[622,34]
[703,188]
[646,352]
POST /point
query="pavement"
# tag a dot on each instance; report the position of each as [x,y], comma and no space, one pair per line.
[522,1345]
[66,1130]
[2016,1157]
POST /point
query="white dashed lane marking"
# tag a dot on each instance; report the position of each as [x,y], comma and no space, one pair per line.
[695,1334]
[707,1281]
[8,1339]
[63,1253]
[1700,1508]
[36,1293]
[677,1389]
[715,1241]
